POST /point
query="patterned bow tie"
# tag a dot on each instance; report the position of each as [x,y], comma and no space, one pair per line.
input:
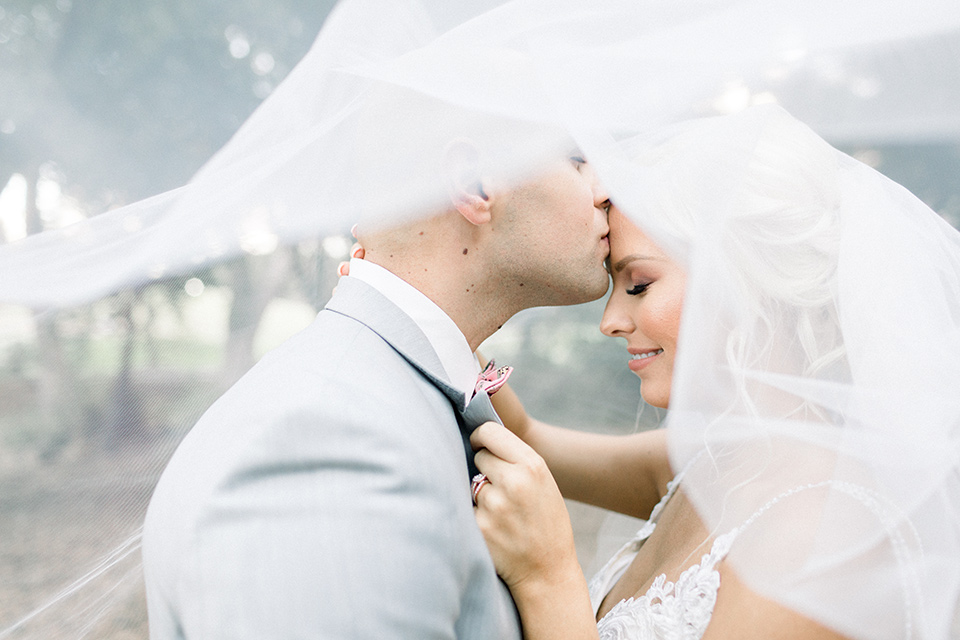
[492,378]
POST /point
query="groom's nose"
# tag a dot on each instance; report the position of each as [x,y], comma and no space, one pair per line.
[600,198]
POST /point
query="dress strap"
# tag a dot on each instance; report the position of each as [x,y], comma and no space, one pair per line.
[604,579]
[672,487]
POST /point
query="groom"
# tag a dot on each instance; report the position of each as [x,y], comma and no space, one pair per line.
[326,495]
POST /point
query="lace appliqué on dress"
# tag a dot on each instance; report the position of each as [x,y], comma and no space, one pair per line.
[682,610]
[668,610]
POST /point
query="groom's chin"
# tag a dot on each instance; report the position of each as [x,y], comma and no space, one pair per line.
[600,287]
[588,290]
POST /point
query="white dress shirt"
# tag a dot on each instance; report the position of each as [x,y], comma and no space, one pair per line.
[459,362]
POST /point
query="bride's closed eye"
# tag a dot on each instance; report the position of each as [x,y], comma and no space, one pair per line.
[638,289]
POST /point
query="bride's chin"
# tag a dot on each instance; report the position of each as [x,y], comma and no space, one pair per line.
[655,397]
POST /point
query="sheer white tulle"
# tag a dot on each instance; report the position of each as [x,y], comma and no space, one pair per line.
[821,328]
[361,129]
[820,350]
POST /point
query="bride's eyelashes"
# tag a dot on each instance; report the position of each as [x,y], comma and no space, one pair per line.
[638,289]
[578,161]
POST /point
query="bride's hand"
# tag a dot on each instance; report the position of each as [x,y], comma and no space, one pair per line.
[356,251]
[521,513]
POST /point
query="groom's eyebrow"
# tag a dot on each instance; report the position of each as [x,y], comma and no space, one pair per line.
[623,262]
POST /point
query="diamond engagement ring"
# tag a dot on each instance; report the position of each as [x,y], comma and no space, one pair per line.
[478,481]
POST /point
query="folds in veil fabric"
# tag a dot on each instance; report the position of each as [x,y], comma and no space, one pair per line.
[814,395]
[840,431]
[347,138]
[361,129]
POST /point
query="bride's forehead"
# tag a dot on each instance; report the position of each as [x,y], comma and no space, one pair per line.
[627,238]
[622,227]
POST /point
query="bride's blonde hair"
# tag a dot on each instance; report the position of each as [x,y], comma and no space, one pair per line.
[762,189]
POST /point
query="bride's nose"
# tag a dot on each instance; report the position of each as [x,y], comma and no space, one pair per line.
[616,322]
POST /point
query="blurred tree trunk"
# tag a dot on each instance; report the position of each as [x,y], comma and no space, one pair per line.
[54,395]
[5,175]
[256,281]
[34,222]
[126,407]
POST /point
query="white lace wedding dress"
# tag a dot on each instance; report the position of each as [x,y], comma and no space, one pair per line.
[682,610]
[679,610]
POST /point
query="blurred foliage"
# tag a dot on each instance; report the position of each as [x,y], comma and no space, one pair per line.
[116,100]
[128,99]
[131,368]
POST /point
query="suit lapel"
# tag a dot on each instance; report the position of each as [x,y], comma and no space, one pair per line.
[361,302]
[479,410]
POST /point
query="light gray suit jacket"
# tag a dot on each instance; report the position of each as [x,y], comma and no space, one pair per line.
[326,495]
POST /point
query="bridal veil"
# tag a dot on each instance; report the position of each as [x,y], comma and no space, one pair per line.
[817,392]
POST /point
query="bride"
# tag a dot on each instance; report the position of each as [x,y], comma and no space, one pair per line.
[808,461]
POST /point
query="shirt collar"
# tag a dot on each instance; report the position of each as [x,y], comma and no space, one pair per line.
[459,362]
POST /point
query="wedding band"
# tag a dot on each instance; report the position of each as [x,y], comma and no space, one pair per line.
[478,481]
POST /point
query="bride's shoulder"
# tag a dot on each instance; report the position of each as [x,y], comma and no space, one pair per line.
[742,613]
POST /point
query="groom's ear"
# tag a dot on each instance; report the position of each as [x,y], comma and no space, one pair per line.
[465,182]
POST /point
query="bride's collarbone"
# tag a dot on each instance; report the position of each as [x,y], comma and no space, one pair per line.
[677,543]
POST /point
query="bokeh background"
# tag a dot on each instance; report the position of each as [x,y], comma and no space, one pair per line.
[105,102]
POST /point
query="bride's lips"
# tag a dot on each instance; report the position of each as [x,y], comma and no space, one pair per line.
[642,358]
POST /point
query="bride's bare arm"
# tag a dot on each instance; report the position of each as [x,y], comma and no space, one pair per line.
[627,474]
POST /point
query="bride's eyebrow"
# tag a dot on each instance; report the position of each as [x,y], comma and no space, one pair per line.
[623,262]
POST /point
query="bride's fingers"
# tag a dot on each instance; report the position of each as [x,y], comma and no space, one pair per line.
[500,441]
[510,464]
[490,465]
[356,251]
